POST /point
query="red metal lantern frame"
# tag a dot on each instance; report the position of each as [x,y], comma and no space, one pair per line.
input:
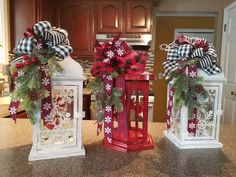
[128,135]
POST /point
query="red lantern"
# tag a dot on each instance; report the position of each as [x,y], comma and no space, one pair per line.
[130,127]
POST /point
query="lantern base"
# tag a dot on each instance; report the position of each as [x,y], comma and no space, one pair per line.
[132,145]
[56,153]
[192,144]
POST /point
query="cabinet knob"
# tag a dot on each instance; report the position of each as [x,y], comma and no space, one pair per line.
[233,93]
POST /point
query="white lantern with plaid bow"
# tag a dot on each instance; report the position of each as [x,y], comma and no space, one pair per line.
[63,135]
[192,62]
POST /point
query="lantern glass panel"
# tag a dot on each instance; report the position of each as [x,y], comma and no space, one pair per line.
[206,115]
[64,100]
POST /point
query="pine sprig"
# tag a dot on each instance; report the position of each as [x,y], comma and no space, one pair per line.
[188,92]
[97,87]
[29,88]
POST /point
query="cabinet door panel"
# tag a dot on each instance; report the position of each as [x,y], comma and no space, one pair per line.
[77,17]
[110,16]
[138,16]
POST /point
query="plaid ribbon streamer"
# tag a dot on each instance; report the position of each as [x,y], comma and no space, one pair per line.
[123,124]
[54,38]
[191,48]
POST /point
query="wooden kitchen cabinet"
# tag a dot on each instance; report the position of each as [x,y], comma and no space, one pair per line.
[127,16]
[77,17]
[110,16]
[138,16]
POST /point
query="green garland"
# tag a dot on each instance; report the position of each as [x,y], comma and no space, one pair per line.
[188,91]
[29,88]
[102,99]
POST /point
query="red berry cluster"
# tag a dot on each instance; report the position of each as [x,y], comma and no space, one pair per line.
[25,62]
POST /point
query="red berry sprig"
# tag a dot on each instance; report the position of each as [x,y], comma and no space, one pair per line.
[25,57]
[18,65]
[34,60]
[15,74]
[27,63]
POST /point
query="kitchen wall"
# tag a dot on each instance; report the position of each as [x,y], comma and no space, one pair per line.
[192,6]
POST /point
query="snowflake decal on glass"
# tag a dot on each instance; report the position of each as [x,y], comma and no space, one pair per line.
[61,117]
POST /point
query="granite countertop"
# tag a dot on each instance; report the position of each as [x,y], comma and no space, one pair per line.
[164,160]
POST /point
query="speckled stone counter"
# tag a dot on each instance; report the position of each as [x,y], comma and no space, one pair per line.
[164,160]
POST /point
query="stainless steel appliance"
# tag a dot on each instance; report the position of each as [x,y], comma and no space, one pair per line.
[131,39]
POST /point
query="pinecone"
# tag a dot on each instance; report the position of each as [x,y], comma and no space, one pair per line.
[34,95]
[199,88]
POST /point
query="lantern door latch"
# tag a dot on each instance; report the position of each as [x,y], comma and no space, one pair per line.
[233,93]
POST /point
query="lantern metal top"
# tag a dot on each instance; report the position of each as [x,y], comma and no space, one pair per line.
[212,78]
[71,70]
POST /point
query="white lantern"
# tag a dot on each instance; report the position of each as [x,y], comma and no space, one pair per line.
[208,126]
[65,139]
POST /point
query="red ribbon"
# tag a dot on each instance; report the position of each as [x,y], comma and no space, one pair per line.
[108,112]
[116,55]
[46,103]
[13,107]
[122,121]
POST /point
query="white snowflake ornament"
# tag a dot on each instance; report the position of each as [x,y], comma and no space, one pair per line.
[107,130]
[110,54]
[108,119]
[193,74]
[108,108]
[12,110]
[120,52]
[45,81]
[46,106]
[108,87]
[191,126]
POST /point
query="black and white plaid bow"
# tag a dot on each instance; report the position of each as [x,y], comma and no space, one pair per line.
[50,37]
[177,52]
